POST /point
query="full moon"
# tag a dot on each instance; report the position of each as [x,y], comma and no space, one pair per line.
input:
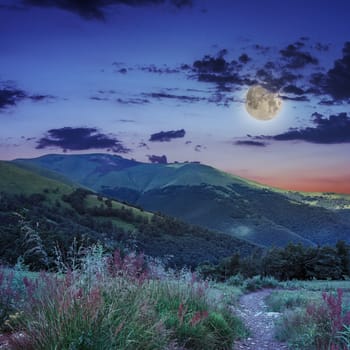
[262,104]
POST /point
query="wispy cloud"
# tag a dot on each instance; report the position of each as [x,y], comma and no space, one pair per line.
[96,9]
[332,130]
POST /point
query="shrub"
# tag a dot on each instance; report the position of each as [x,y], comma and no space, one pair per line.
[235,280]
[258,282]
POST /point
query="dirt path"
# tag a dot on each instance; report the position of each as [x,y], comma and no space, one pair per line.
[260,323]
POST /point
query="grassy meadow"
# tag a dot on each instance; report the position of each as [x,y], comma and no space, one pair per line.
[128,301]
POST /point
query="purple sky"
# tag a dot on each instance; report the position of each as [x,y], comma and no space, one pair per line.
[145,78]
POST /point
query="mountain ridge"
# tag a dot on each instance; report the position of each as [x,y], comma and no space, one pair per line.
[205,196]
[57,212]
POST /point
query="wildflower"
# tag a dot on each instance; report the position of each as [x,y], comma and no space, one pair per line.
[198,317]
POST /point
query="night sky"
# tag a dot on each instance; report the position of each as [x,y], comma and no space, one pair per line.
[165,80]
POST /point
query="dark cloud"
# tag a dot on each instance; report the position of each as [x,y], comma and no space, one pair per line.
[326,102]
[181,3]
[199,148]
[274,80]
[76,139]
[217,65]
[227,76]
[95,9]
[332,130]
[158,159]
[142,145]
[293,89]
[126,121]
[182,98]
[250,143]
[244,58]
[98,98]
[295,98]
[39,98]
[261,49]
[337,80]
[296,58]
[166,136]
[322,47]
[10,96]
[133,101]
[222,98]
[159,70]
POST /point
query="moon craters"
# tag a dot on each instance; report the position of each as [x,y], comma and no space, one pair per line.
[262,104]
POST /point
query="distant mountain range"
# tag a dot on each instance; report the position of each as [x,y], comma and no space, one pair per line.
[204,196]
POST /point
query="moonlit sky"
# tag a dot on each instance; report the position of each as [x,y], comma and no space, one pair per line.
[147,78]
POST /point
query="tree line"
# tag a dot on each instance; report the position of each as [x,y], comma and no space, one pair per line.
[293,261]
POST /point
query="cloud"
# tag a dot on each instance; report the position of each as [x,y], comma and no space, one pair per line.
[274,80]
[181,3]
[199,148]
[295,98]
[166,136]
[322,47]
[158,159]
[332,130]
[98,98]
[133,101]
[127,120]
[296,58]
[10,96]
[336,83]
[95,9]
[226,75]
[261,49]
[152,68]
[293,89]
[142,145]
[182,98]
[244,58]
[250,143]
[109,95]
[39,98]
[77,139]
[218,70]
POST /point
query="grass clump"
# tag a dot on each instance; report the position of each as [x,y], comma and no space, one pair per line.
[119,302]
[253,283]
[258,282]
[316,325]
[279,301]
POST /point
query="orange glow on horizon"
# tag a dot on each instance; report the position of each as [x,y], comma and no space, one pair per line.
[302,184]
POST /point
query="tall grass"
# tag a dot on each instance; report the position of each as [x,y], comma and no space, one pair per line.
[316,325]
[120,302]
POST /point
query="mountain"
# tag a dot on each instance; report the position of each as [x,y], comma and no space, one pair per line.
[205,196]
[50,211]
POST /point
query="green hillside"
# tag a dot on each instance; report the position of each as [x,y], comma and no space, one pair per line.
[52,214]
[205,196]
[15,180]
